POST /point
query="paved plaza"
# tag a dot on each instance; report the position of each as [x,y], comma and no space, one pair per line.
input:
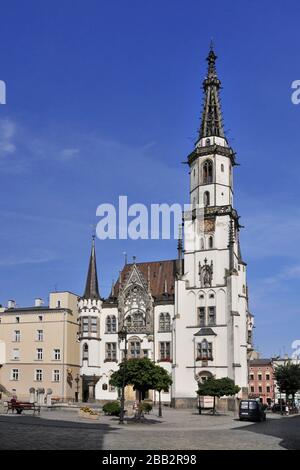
[178,429]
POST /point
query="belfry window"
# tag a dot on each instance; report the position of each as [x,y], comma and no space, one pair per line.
[206,198]
[207,172]
[210,242]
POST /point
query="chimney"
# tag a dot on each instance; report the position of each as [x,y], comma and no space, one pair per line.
[11,304]
[38,302]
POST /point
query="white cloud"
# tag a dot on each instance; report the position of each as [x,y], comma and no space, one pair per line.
[68,154]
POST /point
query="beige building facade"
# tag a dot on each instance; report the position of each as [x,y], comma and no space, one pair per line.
[39,350]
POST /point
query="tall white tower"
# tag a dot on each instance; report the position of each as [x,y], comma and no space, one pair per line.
[212,318]
[90,306]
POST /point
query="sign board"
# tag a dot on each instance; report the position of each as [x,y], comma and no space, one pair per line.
[206,402]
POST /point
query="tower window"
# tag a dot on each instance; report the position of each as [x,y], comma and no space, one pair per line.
[207,141]
[210,242]
[206,198]
[85,352]
[207,172]
[222,167]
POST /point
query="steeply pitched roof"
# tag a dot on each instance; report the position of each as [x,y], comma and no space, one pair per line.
[91,287]
[161,275]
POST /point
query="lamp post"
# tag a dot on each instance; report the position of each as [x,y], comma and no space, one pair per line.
[77,387]
[123,336]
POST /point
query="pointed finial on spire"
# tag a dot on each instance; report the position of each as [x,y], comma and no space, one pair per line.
[211,123]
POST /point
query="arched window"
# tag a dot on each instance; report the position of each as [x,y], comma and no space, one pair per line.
[207,172]
[222,167]
[206,198]
[210,242]
[164,322]
[202,244]
[207,141]
[85,352]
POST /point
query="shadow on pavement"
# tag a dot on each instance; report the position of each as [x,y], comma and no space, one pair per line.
[30,432]
[287,429]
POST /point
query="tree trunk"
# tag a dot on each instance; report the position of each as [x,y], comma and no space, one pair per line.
[159,405]
[214,410]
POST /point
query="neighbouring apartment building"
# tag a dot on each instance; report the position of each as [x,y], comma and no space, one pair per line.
[261,380]
[39,349]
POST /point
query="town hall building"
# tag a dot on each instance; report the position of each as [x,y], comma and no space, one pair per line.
[190,315]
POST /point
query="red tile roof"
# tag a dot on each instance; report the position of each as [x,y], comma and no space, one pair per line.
[162,276]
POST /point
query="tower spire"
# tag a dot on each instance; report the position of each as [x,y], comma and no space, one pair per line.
[211,123]
[91,287]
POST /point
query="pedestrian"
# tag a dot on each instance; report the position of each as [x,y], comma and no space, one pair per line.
[287,410]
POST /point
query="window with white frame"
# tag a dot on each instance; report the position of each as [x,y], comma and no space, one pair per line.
[38,375]
[16,354]
[201,316]
[165,350]
[17,336]
[204,350]
[14,374]
[111,351]
[85,352]
[135,349]
[164,322]
[85,324]
[39,354]
[56,375]
[40,335]
[111,324]
[94,324]
[56,354]
[211,315]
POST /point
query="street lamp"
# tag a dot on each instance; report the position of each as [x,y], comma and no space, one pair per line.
[77,388]
[122,334]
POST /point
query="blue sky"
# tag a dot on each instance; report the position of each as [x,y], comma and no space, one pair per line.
[104,98]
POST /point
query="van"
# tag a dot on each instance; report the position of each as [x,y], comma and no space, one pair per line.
[251,410]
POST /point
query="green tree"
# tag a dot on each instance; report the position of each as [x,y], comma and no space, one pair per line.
[162,382]
[143,375]
[287,377]
[218,388]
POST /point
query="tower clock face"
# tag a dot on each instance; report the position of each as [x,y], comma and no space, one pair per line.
[207,226]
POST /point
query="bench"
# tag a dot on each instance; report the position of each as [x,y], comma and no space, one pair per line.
[21,406]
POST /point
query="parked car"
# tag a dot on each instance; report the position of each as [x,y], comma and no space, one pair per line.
[251,410]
